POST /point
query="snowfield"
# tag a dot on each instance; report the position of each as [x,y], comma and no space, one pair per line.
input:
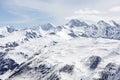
[66,52]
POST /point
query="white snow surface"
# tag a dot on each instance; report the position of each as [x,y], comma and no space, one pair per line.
[59,50]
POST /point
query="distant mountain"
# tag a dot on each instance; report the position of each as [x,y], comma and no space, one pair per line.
[7,29]
[4,31]
[76,23]
[78,28]
[47,27]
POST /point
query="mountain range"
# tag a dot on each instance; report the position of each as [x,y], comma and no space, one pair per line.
[73,51]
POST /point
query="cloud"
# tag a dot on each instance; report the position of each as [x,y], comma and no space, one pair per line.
[92,15]
[34,11]
[87,11]
[37,11]
[42,10]
[93,18]
[23,18]
[115,9]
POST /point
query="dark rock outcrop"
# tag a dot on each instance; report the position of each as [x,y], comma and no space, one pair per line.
[2,36]
[67,68]
[72,34]
[111,72]
[77,23]
[53,43]
[53,76]
[11,44]
[7,64]
[47,27]
[93,62]
[2,55]
[31,34]
[43,69]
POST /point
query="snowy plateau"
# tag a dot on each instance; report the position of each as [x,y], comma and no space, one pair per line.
[74,51]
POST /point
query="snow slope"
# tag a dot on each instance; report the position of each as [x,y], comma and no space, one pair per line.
[75,51]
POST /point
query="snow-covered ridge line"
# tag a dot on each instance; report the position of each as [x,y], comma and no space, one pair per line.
[74,28]
[74,51]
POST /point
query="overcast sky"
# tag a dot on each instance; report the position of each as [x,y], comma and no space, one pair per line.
[33,12]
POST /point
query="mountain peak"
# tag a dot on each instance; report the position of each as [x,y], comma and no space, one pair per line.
[76,22]
[114,23]
[102,23]
[47,26]
[7,29]
[10,29]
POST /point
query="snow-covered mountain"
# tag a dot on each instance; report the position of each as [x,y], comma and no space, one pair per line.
[6,30]
[74,51]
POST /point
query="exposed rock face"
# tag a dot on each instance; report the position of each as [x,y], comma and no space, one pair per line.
[53,43]
[111,72]
[92,31]
[7,64]
[52,33]
[47,27]
[77,23]
[31,34]
[1,36]
[116,24]
[11,44]
[93,62]
[10,29]
[72,35]
[38,73]
[67,69]
[2,55]
[59,28]
[7,29]
[53,76]
[20,69]
[43,69]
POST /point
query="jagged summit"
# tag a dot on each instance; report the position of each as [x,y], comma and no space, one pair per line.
[7,29]
[76,22]
[114,23]
[47,27]
[77,27]
[103,23]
